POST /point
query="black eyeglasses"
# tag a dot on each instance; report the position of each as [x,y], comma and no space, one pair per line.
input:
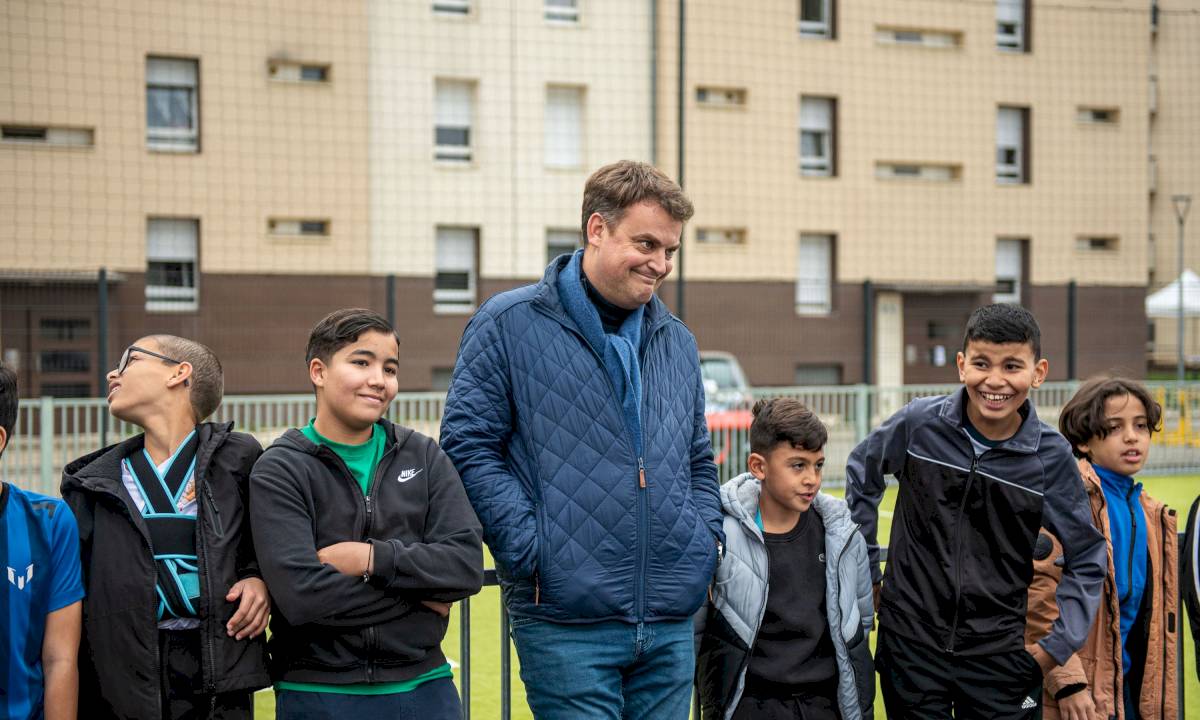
[128,355]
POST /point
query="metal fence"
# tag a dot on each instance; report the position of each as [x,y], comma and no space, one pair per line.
[51,432]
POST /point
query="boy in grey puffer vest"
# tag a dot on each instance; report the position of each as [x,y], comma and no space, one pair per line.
[785,632]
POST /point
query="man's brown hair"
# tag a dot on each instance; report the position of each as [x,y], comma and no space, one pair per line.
[208,380]
[614,188]
[786,420]
[1083,418]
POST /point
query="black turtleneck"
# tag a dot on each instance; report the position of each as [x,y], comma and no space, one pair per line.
[611,316]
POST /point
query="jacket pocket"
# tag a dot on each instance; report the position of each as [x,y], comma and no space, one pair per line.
[859,650]
[410,638]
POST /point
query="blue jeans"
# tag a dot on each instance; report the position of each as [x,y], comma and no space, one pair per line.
[607,670]
[434,700]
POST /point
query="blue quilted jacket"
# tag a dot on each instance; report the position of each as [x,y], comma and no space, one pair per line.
[535,429]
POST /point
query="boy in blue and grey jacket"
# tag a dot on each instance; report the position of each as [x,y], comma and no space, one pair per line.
[785,634]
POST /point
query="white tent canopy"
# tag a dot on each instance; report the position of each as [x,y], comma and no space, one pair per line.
[1165,302]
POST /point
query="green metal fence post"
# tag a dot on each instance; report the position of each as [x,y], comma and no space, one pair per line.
[862,412]
[46,435]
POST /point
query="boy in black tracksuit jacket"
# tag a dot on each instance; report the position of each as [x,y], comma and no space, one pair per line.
[978,475]
[169,632]
[365,535]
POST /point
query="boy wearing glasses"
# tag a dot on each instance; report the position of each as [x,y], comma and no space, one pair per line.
[175,607]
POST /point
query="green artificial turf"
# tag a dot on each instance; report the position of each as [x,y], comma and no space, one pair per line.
[1176,491]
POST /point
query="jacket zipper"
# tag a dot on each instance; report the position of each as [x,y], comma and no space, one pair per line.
[1166,537]
[1133,538]
[367,524]
[958,553]
[1115,609]
[642,500]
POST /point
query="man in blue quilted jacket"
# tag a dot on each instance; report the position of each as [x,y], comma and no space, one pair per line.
[576,420]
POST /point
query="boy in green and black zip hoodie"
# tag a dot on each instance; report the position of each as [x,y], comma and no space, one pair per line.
[365,536]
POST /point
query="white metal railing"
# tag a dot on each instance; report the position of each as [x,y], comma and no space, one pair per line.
[51,432]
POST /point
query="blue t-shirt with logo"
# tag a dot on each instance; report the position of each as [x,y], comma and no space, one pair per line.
[39,549]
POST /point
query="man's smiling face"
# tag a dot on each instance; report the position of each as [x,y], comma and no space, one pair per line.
[628,262]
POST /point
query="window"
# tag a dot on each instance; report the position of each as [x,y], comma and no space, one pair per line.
[67,390]
[934,172]
[1012,145]
[814,274]
[816,18]
[1010,263]
[817,136]
[721,97]
[1098,116]
[45,135]
[65,328]
[561,11]
[561,242]
[451,7]
[288,71]
[1096,243]
[563,127]
[454,281]
[64,361]
[309,227]
[171,245]
[1012,26]
[922,38]
[721,236]
[172,113]
[439,379]
[453,101]
[818,375]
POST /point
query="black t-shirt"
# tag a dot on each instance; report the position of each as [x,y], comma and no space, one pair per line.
[793,646]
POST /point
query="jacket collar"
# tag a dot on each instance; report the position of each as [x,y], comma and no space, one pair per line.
[101,470]
[295,440]
[547,300]
[1028,436]
[739,498]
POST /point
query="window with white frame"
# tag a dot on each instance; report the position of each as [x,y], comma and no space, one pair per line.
[817,135]
[560,242]
[814,274]
[453,110]
[1012,155]
[563,126]
[454,279]
[172,111]
[816,18]
[1010,259]
[1011,25]
[171,245]
[48,135]
[561,11]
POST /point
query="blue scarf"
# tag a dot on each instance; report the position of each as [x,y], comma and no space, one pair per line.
[1127,528]
[618,352]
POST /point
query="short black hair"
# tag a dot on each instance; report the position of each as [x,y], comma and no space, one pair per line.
[786,420]
[342,327]
[8,401]
[1004,323]
[1083,418]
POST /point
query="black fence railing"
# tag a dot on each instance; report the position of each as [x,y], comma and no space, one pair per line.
[489,579]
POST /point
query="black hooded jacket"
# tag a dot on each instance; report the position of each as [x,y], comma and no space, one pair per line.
[328,627]
[118,658]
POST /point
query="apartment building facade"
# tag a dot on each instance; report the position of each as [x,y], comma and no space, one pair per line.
[869,171]
[865,173]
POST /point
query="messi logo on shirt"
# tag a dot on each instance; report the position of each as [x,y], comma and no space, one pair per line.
[21,580]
